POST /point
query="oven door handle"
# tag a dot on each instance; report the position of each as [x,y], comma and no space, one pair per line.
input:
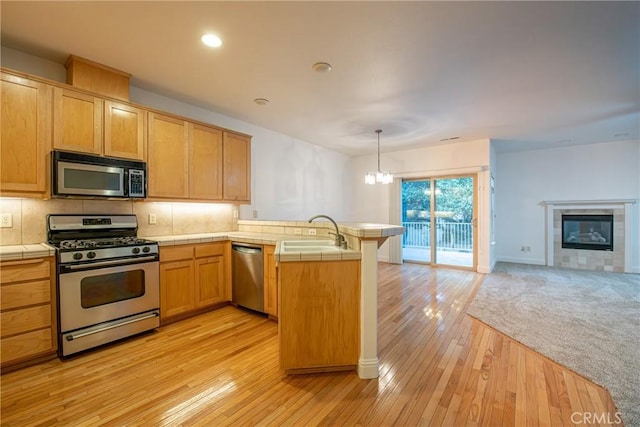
[72,337]
[112,262]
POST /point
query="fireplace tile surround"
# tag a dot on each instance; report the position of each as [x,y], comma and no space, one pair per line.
[618,260]
[588,259]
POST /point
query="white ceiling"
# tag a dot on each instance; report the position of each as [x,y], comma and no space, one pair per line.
[528,75]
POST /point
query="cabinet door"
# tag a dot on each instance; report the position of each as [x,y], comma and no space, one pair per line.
[77,121]
[209,281]
[270,282]
[28,317]
[124,130]
[205,178]
[25,121]
[168,160]
[177,294]
[237,167]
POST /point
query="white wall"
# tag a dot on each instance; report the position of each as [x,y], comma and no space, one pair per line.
[589,172]
[371,202]
[291,179]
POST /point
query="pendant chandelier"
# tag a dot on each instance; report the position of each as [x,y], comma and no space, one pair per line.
[378,176]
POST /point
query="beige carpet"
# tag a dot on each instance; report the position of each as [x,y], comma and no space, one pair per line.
[586,321]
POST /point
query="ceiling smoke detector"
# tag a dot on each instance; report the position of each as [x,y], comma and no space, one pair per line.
[321,67]
[261,101]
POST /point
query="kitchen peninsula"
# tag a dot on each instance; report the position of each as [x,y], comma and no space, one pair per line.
[363,240]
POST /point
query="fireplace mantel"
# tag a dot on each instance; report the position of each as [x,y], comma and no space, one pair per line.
[586,204]
[625,204]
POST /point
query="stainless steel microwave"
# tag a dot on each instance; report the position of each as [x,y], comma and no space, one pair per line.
[84,175]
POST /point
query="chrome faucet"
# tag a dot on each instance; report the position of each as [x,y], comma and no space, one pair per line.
[340,240]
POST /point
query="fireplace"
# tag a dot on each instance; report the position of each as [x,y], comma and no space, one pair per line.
[591,232]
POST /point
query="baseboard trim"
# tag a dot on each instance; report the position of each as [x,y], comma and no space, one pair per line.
[368,368]
[534,261]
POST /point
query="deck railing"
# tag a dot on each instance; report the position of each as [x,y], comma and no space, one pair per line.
[454,236]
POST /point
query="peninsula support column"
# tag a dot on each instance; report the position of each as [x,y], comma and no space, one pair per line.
[368,363]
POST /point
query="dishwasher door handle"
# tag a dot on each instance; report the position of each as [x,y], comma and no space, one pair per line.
[245,250]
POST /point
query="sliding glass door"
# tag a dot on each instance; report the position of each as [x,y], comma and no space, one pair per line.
[439,219]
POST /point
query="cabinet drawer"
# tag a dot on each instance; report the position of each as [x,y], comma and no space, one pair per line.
[18,321]
[21,271]
[21,294]
[212,249]
[176,253]
[25,345]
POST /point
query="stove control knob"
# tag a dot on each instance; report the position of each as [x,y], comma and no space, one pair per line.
[77,256]
[146,249]
[135,250]
[91,254]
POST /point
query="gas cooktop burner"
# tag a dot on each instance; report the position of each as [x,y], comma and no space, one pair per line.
[103,243]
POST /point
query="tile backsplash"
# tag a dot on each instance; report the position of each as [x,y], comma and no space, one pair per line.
[29,217]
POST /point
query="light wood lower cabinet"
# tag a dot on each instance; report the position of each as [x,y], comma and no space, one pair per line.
[193,278]
[27,310]
[177,294]
[270,281]
[319,321]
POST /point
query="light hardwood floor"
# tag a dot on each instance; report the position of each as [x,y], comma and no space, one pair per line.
[438,366]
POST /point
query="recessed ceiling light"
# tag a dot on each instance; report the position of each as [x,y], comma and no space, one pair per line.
[449,139]
[261,101]
[211,40]
[321,67]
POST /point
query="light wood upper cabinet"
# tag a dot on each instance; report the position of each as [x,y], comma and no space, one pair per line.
[205,170]
[124,130]
[168,160]
[77,121]
[88,124]
[237,167]
[25,123]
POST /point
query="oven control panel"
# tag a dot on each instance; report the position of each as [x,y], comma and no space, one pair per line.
[108,253]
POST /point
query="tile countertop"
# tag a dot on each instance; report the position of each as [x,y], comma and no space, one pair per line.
[18,252]
[260,239]
[362,230]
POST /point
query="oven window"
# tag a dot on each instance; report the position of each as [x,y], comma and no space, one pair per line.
[110,288]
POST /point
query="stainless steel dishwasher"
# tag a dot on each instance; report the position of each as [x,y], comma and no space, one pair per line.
[247,278]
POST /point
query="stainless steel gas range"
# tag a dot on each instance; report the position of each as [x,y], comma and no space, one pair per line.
[108,279]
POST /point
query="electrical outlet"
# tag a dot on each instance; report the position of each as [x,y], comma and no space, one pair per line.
[522,249]
[152,218]
[297,231]
[255,213]
[312,232]
[6,221]
[235,213]
[528,249]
